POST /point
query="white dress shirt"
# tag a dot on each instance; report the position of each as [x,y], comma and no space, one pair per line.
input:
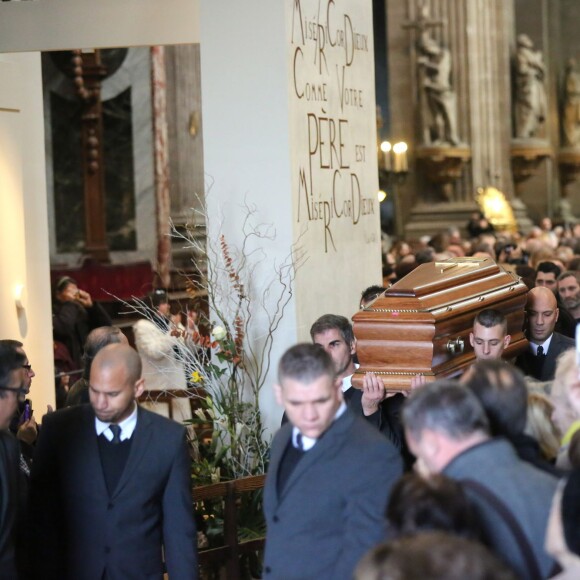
[308,442]
[127,426]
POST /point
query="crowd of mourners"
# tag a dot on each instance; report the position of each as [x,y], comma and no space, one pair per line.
[476,477]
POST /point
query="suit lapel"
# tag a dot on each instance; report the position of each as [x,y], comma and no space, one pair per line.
[141,437]
[550,359]
[276,454]
[88,450]
[325,446]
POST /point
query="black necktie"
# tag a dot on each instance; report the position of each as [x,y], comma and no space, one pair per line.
[116,431]
[299,442]
[540,351]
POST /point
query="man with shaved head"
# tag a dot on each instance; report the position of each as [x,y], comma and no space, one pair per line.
[539,361]
[111,484]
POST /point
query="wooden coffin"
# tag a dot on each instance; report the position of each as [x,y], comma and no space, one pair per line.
[421,324]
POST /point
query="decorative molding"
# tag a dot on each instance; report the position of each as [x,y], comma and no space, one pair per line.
[444,165]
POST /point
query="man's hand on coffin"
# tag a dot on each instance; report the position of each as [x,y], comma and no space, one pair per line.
[418,381]
[373,393]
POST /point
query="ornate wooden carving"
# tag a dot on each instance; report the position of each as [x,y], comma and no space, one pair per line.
[88,74]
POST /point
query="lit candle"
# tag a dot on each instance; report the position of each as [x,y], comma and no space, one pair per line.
[400,150]
[386,149]
[397,165]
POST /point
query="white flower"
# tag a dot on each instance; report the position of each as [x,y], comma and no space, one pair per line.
[219,332]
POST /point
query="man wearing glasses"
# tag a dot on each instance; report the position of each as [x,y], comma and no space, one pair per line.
[12,390]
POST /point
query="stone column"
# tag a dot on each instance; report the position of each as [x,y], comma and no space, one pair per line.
[477,34]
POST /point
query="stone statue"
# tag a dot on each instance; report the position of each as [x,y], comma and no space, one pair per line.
[571,109]
[530,91]
[435,63]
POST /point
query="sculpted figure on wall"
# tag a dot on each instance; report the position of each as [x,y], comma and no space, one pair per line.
[441,100]
[530,90]
[571,108]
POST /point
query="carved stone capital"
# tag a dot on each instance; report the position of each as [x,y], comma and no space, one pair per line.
[443,165]
[569,162]
[527,158]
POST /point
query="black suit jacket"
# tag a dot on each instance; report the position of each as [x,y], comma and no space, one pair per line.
[526,361]
[80,531]
[9,501]
[331,510]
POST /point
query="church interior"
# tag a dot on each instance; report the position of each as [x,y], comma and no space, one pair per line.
[261,163]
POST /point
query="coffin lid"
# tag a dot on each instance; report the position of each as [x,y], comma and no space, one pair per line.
[438,276]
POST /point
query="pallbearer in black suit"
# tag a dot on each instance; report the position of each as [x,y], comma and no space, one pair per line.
[111,484]
[329,478]
[539,361]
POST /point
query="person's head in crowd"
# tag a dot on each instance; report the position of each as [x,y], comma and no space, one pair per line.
[456,250]
[422,504]
[308,389]
[542,314]
[335,335]
[175,313]
[547,275]
[574,450]
[574,264]
[482,250]
[489,337]
[546,224]
[432,556]
[66,289]
[540,426]
[443,256]
[442,420]
[408,259]
[454,235]
[563,531]
[115,382]
[12,389]
[389,275]
[527,274]
[542,254]
[27,371]
[501,389]
[403,269]
[159,300]
[565,394]
[400,250]
[193,315]
[369,294]
[439,242]
[98,339]
[425,255]
[564,254]
[569,291]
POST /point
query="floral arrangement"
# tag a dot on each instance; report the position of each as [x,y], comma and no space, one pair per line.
[227,354]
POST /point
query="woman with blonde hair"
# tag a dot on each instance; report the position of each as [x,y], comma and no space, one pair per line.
[566,400]
[539,425]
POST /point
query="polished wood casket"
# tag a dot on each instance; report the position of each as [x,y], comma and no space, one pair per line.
[421,324]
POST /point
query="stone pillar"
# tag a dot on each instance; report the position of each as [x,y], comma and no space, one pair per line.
[289,125]
[477,34]
[185,141]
